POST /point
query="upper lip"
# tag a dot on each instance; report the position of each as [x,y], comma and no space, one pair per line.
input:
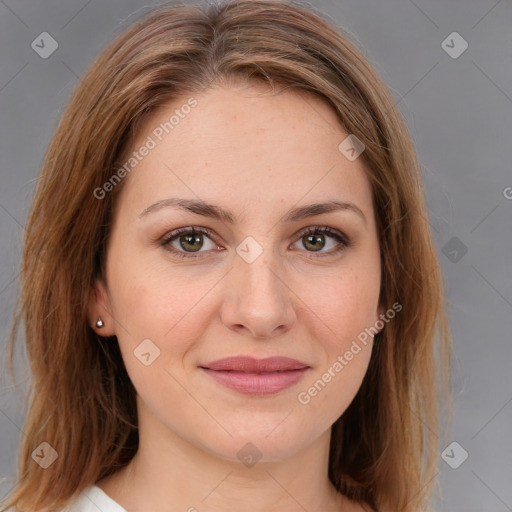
[252,365]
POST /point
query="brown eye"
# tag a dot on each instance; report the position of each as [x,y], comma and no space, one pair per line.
[193,242]
[186,241]
[314,240]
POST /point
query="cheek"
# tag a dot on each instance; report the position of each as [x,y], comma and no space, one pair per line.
[341,313]
[170,310]
[344,304]
[148,299]
[347,311]
[329,393]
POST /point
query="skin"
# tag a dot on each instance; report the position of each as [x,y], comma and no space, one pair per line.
[258,154]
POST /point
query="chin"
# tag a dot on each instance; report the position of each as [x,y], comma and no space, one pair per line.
[256,443]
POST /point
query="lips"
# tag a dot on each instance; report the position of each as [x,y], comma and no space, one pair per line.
[252,365]
[256,376]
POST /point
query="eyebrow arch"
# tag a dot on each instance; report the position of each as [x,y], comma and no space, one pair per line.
[205,209]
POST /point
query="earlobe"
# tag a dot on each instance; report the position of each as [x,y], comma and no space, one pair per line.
[99,317]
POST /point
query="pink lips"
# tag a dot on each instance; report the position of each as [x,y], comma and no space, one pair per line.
[256,376]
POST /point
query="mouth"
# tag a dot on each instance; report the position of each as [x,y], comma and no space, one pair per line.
[252,376]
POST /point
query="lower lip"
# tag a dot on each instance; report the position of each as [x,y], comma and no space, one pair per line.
[257,383]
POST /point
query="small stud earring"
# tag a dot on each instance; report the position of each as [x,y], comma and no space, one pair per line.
[99,323]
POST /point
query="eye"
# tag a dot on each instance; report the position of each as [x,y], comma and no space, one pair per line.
[188,242]
[315,238]
[190,238]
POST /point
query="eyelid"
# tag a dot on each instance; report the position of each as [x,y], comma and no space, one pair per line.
[323,229]
[175,233]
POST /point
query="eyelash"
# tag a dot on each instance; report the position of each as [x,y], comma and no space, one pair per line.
[193,230]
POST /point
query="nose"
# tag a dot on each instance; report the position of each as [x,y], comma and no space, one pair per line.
[257,300]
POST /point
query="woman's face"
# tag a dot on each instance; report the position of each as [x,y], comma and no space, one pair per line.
[251,282]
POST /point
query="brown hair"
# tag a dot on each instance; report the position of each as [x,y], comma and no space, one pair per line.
[384,448]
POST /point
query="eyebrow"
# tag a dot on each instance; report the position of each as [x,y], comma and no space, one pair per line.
[205,209]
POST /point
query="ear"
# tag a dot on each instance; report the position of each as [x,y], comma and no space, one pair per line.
[99,307]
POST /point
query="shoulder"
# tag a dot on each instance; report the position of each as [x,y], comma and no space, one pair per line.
[92,499]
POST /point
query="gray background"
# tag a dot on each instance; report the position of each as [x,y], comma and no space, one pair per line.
[458,111]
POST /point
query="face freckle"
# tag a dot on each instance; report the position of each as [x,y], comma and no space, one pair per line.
[258,156]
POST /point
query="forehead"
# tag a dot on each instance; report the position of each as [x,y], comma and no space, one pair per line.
[247,144]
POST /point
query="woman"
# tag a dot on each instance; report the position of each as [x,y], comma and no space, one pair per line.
[190,350]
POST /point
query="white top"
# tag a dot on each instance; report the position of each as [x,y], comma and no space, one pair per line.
[94,499]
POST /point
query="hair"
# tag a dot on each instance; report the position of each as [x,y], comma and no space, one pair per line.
[384,448]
